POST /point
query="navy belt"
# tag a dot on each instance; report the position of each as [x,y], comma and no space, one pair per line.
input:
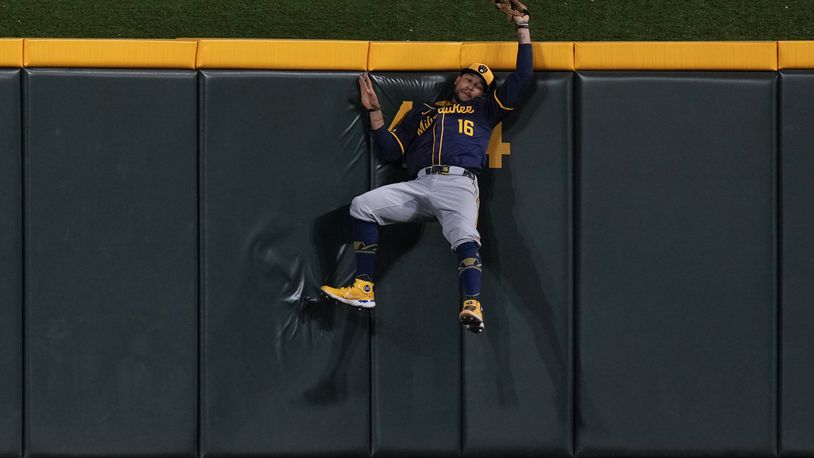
[447,170]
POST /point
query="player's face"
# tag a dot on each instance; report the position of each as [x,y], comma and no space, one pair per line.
[468,87]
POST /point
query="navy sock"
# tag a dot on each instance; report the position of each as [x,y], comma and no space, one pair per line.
[469,269]
[365,241]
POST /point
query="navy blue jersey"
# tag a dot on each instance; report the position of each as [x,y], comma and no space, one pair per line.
[450,132]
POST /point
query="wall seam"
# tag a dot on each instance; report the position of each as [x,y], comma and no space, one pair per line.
[371,346]
[779,263]
[195,58]
[199,93]
[367,56]
[24,274]
[777,62]
[372,317]
[574,257]
[574,59]
[462,391]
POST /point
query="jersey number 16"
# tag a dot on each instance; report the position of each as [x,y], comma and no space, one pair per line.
[466,127]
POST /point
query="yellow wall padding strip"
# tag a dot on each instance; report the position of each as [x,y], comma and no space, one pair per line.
[696,55]
[402,56]
[795,54]
[503,55]
[414,56]
[11,52]
[283,54]
[110,53]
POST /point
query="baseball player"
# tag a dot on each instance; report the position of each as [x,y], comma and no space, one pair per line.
[443,145]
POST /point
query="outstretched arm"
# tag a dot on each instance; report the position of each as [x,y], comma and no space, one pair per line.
[508,94]
[524,67]
[390,147]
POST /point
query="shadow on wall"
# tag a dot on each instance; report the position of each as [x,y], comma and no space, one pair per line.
[282,316]
[331,237]
[521,273]
[506,253]
[337,261]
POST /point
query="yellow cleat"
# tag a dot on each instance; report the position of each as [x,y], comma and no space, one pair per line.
[359,294]
[472,316]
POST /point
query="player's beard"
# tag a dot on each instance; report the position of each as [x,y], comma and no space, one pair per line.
[459,97]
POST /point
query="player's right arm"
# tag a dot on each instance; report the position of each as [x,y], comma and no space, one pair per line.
[391,144]
[508,94]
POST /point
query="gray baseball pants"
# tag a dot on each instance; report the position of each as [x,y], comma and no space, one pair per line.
[453,199]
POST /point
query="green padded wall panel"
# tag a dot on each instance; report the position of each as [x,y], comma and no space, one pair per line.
[111,262]
[797,170]
[285,373]
[11,266]
[676,306]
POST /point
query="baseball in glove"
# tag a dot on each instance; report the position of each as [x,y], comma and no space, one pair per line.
[511,8]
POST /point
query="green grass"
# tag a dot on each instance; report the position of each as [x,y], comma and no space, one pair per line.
[414,20]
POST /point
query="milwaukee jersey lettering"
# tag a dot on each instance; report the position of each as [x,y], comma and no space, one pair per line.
[450,132]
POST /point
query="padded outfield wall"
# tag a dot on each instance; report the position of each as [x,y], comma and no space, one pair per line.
[170,208]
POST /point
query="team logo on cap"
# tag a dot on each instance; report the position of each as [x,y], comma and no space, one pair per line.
[483,69]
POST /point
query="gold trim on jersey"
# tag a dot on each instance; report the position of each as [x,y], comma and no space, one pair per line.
[501,104]
[405,107]
[441,143]
[432,154]
[399,141]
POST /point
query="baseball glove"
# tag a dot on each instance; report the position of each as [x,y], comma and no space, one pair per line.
[511,8]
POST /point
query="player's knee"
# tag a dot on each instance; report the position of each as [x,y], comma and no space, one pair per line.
[360,209]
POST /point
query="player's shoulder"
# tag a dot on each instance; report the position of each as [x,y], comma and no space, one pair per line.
[484,99]
[482,102]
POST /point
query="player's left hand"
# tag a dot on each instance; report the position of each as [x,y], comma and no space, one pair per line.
[367,94]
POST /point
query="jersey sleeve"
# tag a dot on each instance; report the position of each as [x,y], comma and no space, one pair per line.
[393,143]
[505,97]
